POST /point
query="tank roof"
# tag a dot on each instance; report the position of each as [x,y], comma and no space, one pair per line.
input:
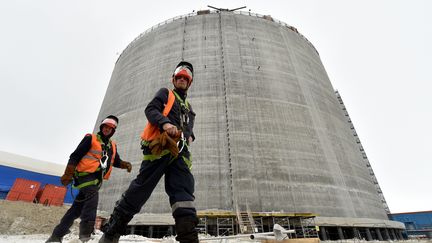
[205,12]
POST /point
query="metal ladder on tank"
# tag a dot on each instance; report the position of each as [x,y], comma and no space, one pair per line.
[245,220]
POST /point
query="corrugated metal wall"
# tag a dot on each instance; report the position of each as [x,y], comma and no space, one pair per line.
[270,131]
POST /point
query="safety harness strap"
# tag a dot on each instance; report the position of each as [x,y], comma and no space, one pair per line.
[152,157]
[188,162]
[185,102]
[88,183]
[81,174]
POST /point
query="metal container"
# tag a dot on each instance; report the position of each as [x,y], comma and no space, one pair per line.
[23,190]
[52,195]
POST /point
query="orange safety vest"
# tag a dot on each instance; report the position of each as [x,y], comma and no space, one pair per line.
[151,131]
[90,161]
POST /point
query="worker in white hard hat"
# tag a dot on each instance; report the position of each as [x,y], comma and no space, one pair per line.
[90,164]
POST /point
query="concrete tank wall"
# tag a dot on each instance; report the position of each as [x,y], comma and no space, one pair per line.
[270,131]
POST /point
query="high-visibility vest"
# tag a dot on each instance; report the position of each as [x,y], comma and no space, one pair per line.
[91,160]
[151,131]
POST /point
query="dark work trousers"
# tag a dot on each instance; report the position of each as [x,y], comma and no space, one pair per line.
[84,207]
[179,185]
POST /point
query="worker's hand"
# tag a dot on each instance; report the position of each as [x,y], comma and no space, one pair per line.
[126,165]
[170,129]
[171,145]
[66,178]
[190,140]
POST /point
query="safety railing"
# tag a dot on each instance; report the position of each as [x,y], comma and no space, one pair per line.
[267,17]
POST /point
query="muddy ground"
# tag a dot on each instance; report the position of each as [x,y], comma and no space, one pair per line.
[23,218]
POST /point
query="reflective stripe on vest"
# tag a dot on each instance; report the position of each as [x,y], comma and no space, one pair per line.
[90,161]
[151,131]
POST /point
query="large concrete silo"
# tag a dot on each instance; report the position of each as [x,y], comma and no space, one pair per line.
[270,130]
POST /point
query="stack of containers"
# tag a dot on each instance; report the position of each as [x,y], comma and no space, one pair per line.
[51,195]
[31,191]
[23,190]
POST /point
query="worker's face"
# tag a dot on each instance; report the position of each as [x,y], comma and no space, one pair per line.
[181,82]
[107,130]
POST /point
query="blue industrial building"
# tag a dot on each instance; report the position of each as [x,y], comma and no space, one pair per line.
[14,166]
[418,224]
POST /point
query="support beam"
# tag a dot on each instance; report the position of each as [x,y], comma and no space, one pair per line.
[340,233]
[323,233]
[392,232]
[400,235]
[368,234]
[378,233]
[386,234]
[150,233]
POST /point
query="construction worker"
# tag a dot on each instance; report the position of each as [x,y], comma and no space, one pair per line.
[88,166]
[165,142]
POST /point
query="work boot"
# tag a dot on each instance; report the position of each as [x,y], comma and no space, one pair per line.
[109,238]
[85,230]
[186,229]
[54,238]
[115,227]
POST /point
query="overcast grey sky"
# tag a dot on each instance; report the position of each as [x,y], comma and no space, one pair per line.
[57,58]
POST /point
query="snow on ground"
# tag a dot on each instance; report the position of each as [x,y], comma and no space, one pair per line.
[23,222]
[73,238]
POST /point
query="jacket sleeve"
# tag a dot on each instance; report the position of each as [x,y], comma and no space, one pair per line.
[81,150]
[117,161]
[155,108]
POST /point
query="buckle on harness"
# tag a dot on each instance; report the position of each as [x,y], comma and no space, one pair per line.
[104,160]
[183,141]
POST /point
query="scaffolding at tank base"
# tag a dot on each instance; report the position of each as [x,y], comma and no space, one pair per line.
[226,223]
[217,223]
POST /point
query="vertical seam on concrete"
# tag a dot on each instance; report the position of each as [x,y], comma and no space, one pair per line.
[226,110]
[253,164]
[184,38]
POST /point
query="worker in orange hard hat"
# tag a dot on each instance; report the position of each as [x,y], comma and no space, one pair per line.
[165,143]
[88,166]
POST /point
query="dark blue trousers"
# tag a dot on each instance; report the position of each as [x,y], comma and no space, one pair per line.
[179,185]
[84,207]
